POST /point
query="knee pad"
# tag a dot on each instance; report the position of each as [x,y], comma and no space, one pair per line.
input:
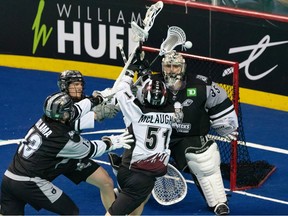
[204,162]
[205,165]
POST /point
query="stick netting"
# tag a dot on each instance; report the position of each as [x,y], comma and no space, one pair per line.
[175,36]
[236,162]
[170,188]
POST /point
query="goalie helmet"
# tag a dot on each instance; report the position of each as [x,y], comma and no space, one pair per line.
[152,92]
[59,106]
[174,68]
[67,77]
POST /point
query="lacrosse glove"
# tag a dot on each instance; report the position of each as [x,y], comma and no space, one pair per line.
[120,141]
[105,110]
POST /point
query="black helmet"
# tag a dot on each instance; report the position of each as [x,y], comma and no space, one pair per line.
[153,93]
[67,77]
[59,106]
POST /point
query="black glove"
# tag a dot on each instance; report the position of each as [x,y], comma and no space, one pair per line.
[140,64]
[96,100]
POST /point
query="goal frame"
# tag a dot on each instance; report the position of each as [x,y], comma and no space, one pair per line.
[235,101]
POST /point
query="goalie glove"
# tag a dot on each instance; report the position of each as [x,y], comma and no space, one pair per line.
[232,136]
[105,110]
[120,141]
[226,126]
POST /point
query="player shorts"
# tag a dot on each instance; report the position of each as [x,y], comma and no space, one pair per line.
[17,191]
[135,188]
[80,170]
[178,148]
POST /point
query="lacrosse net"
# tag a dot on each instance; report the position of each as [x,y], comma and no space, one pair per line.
[236,162]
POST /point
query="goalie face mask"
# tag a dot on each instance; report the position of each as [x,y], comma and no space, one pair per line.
[59,106]
[152,93]
[174,68]
[68,77]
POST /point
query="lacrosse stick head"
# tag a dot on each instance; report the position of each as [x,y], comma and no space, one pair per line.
[171,188]
[175,36]
[151,13]
[139,34]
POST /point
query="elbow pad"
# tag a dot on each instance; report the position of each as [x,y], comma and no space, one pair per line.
[226,124]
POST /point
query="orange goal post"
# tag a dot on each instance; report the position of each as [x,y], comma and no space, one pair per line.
[236,164]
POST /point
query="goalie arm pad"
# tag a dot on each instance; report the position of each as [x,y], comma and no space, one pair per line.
[226,125]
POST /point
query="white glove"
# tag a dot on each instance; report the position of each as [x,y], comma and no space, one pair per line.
[119,141]
[105,110]
[232,136]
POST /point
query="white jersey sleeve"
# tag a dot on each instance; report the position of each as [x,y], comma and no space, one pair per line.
[151,129]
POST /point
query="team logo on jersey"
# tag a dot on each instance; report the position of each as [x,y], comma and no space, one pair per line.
[178,124]
[191,92]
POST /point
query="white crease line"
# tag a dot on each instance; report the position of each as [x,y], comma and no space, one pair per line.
[238,192]
[268,148]
[260,197]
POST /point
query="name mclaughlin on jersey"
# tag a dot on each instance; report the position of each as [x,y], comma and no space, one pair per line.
[43,128]
[156,119]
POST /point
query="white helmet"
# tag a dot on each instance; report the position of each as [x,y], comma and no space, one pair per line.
[174,81]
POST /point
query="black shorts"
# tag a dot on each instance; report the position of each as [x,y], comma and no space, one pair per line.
[39,193]
[135,188]
[80,170]
[178,148]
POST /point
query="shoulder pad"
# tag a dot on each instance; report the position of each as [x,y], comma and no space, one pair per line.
[202,78]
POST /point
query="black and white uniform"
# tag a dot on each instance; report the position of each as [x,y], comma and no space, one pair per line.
[50,149]
[148,156]
[201,101]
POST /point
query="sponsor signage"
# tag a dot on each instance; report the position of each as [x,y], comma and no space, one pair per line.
[90,30]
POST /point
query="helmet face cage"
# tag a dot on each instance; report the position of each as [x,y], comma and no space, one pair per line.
[154,93]
[67,77]
[59,106]
[174,80]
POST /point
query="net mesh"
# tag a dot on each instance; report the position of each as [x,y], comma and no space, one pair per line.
[236,162]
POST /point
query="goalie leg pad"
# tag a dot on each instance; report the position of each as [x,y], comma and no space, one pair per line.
[206,167]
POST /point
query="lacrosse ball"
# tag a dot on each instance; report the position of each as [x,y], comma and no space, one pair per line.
[188,44]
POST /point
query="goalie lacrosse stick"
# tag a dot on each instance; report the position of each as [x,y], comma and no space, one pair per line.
[140,35]
[175,36]
[170,188]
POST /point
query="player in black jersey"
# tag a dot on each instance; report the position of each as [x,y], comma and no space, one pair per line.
[201,104]
[149,119]
[52,148]
[72,82]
